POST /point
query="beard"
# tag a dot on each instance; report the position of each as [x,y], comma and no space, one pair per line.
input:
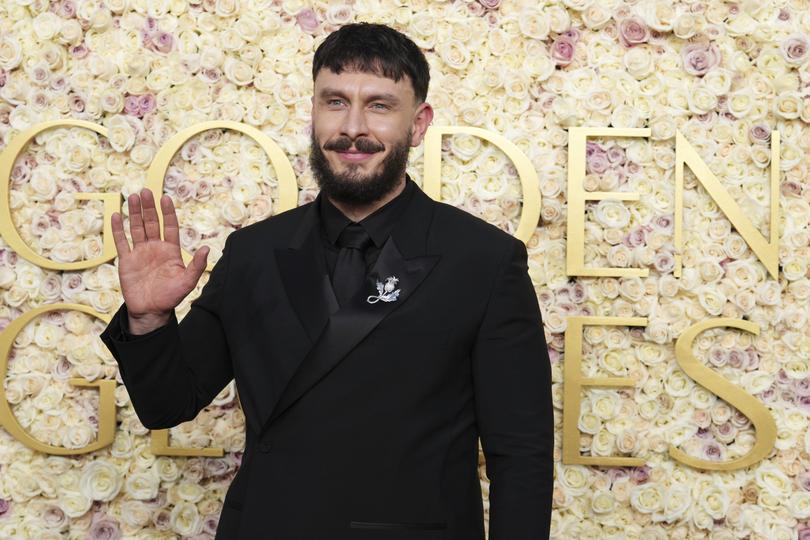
[352,187]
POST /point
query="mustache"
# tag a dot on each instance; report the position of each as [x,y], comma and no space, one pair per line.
[341,144]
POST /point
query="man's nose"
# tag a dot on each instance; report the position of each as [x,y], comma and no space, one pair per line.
[354,122]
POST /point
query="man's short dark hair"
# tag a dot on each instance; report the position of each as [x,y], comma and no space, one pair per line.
[374,48]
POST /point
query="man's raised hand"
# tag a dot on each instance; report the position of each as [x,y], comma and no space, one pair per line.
[154,279]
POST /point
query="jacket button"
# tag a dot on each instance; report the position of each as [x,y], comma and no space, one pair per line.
[265,446]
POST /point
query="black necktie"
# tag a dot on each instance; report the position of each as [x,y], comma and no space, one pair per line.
[350,268]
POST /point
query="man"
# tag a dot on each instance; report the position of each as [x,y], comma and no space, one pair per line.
[374,334]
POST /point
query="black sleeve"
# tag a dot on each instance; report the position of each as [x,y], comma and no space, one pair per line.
[512,380]
[174,371]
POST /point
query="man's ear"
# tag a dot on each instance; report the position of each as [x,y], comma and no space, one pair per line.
[421,121]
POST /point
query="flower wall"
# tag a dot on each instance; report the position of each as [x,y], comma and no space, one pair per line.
[723,74]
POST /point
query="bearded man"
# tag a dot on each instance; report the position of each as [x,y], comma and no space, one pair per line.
[374,334]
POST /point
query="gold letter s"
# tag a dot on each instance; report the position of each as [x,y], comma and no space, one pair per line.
[763,421]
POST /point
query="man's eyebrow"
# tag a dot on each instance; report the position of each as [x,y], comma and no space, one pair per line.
[384,96]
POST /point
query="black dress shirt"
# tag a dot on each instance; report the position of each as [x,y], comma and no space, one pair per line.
[378,225]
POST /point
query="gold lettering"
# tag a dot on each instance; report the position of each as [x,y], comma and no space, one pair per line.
[577,196]
[767,252]
[287,184]
[112,202]
[763,421]
[160,447]
[573,384]
[106,388]
[432,181]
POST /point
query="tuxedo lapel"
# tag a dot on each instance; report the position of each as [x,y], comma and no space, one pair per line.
[402,256]
[303,271]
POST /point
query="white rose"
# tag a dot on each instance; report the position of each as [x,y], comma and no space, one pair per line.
[638,62]
[73,504]
[135,514]
[142,485]
[185,519]
[10,53]
[647,498]
[100,480]
[46,25]
[120,133]
[714,501]
[238,72]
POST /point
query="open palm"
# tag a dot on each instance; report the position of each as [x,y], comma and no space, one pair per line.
[153,277]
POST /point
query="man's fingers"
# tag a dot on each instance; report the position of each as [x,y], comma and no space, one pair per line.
[150,216]
[135,219]
[196,266]
[171,229]
[120,239]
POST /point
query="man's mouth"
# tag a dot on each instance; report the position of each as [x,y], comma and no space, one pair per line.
[354,155]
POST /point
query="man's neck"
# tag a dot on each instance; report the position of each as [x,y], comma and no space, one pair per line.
[359,212]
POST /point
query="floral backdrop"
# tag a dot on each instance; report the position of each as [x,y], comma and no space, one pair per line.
[725,74]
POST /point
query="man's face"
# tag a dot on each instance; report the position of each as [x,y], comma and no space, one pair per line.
[363,126]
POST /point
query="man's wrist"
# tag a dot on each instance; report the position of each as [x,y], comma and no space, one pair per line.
[143,324]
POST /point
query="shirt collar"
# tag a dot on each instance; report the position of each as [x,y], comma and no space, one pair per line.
[378,224]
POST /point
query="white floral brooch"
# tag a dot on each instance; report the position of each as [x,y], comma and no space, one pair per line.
[385,291]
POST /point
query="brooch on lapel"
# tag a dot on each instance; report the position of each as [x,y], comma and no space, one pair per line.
[385,292]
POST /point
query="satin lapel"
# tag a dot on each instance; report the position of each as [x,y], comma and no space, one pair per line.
[304,274]
[351,323]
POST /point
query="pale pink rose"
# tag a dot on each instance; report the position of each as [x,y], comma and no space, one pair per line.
[596,159]
[636,237]
[699,58]
[307,20]
[640,475]
[210,524]
[150,25]
[572,33]
[718,357]
[61,369]
[65,9]
[562,50]
[76,102]
[713,451]
[185,191]
[784,15]
[20,174]
[161,42]
[737,358]
[2,77]
[801,388]
[162,519]
[795,49]
[664,262]
[633,31]
[40,74]
[791,188]
[58,83]
[663,222]
[146,103]
[204,190]
[79,51]
[616,155]
[132,105]
[490,4]
[4,507]
[803,480]
[760,133]
[104,529]
[477,9]
[210,76]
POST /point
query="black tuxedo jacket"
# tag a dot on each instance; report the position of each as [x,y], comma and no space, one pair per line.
[363,420]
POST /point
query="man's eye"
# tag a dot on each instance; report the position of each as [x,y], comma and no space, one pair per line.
[334,102]
[380,106]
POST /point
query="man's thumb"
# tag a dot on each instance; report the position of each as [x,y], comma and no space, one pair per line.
[196,266]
